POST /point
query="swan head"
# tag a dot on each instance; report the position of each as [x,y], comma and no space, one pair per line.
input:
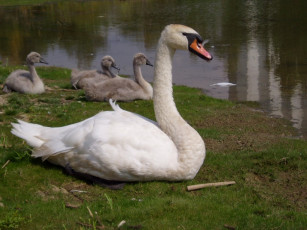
[107,62]
[141,59]
[185,38]
[34,57]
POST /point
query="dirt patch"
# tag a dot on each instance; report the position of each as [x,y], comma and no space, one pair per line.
[247,142]
[75,186]
[73,193]
[287,188]
[3,99]
[243,128]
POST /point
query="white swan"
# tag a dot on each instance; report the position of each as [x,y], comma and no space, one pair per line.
[80,78]
[122,89]
[23,81]
[123,146]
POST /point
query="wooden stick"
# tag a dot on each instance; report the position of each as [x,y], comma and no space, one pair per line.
[90,212]
[199,186]
[6,163]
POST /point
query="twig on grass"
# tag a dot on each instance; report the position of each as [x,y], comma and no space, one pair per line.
[96,217]
[76,196]
[121,224]
[199,186]
[90,212]
[5,164]
[80,191]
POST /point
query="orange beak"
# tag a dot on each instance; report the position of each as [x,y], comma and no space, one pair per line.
[199,50]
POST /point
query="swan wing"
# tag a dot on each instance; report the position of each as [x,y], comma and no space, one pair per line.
[123,145]
[18,77]
[115,145]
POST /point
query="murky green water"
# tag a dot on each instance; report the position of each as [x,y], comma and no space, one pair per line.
[258,45]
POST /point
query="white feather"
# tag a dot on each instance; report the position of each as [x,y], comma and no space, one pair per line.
[223,84]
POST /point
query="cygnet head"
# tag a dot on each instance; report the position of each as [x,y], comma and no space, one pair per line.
[34,57]
[185,38]
[141,59]
[107,62]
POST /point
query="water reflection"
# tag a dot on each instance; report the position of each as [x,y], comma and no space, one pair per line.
[252,72]
[296,105]
[259,45]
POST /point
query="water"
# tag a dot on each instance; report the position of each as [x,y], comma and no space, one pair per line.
[258,45]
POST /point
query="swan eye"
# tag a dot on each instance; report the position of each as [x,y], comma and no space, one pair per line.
[191,37]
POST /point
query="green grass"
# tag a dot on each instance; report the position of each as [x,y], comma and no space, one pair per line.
[26,2]
[257,151]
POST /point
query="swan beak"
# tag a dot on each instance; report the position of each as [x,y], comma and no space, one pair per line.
[115,67]
[148,63]
[42,60]
[198,49]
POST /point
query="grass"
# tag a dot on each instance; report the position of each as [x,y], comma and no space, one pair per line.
[243,144]
[26,2]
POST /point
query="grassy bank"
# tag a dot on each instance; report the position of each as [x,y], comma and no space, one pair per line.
[243,144]
[26,2]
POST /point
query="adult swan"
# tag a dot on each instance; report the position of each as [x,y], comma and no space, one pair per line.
[123,146]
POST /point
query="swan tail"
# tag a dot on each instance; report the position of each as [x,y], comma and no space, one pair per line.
[32,134]
[114,106]
[74,77]
[29,132]
[6,89]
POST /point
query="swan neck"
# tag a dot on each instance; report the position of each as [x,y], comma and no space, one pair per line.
[164,105]
[108,71]
[189,144]
[137,73]
[147,88]
[32,71]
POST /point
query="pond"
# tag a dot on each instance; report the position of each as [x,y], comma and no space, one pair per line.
[260,46]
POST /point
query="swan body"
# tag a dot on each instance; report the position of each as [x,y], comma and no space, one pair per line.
[80,78]
[23,81]
[123,146]
[122,89]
